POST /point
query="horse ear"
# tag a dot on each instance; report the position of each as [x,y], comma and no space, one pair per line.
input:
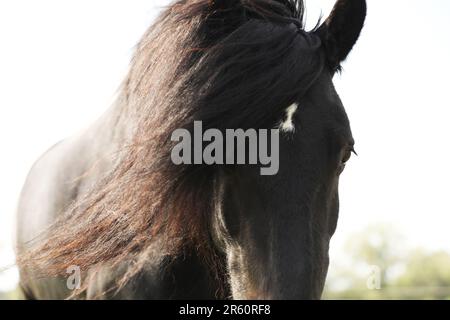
[342,28]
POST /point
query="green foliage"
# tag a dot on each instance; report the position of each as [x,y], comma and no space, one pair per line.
[402,273]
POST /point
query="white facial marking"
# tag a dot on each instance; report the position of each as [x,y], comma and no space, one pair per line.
[288,124]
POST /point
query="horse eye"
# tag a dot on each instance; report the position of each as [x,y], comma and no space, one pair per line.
[347,156]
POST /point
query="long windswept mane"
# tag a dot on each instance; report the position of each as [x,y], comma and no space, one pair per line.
[230,64]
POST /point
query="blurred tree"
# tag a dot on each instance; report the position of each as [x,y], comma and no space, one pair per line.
[403,273]
[379,246]
[428,274]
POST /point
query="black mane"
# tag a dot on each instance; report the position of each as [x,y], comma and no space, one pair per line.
[251,59]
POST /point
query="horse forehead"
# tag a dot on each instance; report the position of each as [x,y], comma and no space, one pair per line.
[326,99]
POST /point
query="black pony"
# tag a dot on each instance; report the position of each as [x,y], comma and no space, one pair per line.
[110,203]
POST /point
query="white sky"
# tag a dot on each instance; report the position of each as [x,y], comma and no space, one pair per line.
[62,61]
